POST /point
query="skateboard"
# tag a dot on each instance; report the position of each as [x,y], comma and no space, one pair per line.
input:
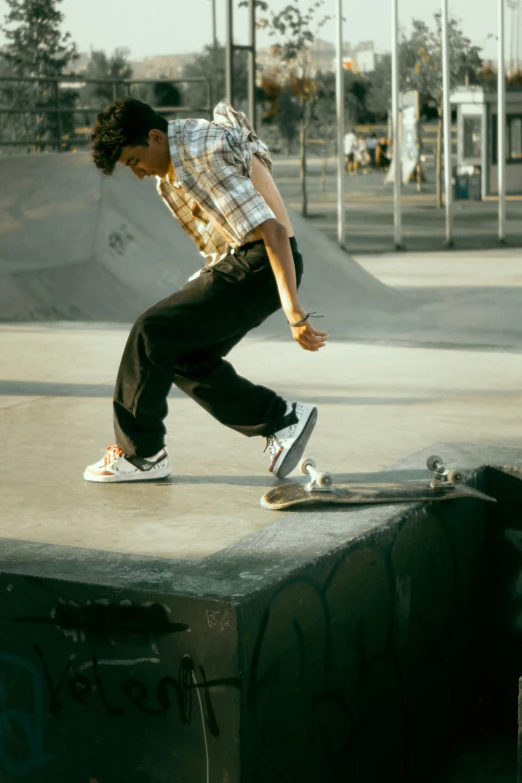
[444,485]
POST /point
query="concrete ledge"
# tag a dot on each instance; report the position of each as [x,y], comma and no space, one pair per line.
[351,644]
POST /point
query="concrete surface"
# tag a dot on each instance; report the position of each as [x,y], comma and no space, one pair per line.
[369,211]
[94,249]
[423,350]
[75,245]
[329,644]
[377,403]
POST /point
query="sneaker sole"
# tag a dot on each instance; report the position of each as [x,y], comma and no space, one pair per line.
[145,475]
[291,459]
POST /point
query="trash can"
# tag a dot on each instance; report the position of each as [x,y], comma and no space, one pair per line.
[462,186]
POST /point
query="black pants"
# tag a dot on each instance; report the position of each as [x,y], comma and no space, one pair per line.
[183,340]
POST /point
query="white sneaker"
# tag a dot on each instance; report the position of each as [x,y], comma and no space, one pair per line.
[115,466]
[286,446]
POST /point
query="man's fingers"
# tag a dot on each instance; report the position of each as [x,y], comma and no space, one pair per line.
[311,345]
[310,339]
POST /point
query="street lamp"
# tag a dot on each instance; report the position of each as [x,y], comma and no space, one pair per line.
[214,25]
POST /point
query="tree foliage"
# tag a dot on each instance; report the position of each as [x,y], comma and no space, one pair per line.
[211,65]
[378,95]
[294,32]
[103,66]
[421,59]
[36,47]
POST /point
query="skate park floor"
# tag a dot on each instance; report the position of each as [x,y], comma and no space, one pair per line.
[377,402]
[424,348]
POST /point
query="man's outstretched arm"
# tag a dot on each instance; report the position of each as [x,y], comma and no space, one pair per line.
[278,249]
[275,233]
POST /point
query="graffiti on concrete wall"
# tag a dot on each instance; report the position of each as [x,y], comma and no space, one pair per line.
[52,684]
[347,652]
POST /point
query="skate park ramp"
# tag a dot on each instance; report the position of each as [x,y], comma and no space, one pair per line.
[76,245]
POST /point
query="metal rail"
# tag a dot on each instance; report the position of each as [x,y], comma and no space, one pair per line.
[58,109]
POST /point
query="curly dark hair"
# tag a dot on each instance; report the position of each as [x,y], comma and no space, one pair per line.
[124,123]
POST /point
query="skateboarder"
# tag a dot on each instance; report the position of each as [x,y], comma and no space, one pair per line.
[215,177]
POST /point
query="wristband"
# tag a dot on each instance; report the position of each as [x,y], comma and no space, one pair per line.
[307,316]
[297,323]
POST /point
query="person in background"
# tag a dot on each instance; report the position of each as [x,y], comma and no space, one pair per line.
[362,158]
[372,150]
[382,159]
[350,144]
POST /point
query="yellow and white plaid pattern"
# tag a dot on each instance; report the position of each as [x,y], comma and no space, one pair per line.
[212,195]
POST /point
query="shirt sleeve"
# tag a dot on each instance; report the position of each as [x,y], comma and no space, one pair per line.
[223,160]
[236,198]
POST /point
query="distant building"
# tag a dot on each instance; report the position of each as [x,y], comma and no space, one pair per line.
[358,58]
[368,59]
[166,66]
[321,57]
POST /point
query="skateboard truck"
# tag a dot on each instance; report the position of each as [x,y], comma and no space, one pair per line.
[443,485]
[320,481]
[442,477]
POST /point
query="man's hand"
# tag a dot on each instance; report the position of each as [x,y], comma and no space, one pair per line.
[278,249]
[308,338]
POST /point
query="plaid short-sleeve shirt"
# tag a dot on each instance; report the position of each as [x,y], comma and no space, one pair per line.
[211,194]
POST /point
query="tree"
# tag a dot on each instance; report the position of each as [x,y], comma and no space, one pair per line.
[36,48]
[421,69]
[211,65]
[103,66]
[287,117]
[379,90]
[296,31]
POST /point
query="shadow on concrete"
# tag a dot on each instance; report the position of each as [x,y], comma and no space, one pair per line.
[51,389]
[389,476]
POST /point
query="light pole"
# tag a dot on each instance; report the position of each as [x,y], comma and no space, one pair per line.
[446,114]
[501,127]
[214,25]
[396,121]
[231,47]
[512,5]
[339,73]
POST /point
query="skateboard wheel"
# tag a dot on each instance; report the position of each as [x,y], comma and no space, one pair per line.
[431,462]
[325,479]
[455,476]
[305,463]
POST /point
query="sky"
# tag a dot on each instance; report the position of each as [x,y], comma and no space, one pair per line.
[184,26]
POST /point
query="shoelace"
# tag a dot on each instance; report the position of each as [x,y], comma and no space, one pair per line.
[272,445]
[112,454]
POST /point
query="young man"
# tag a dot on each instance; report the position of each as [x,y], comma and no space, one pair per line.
[350,144]
[215,177]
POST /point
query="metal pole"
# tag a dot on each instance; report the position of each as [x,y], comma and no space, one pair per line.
[397,217]
[214,25]
[501,127]
[339,74]
[252,63]
[517,35]
[446,118]
[58,113]
[229,73]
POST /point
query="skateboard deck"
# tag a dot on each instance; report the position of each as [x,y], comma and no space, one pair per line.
[444,485]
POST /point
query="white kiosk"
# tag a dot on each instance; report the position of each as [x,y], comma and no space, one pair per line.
[477,137]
